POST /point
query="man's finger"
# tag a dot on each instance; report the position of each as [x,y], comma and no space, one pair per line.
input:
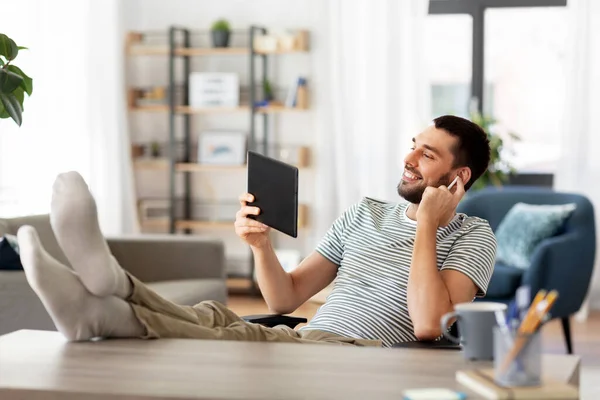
[246,198]
[242,222]
[251,229]
[248,210]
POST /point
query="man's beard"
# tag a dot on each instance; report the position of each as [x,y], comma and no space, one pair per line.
[413,192]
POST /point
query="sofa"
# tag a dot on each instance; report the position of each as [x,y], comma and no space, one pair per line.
[183,269]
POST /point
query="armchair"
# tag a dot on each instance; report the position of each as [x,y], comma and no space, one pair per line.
[563,262]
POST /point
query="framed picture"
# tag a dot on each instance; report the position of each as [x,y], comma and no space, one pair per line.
[222,148]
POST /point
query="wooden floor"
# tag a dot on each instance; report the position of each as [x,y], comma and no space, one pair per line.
[586,338]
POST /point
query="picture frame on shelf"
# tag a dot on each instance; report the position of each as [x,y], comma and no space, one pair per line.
[222,148]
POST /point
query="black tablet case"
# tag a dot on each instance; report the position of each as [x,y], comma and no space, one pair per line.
[274,185]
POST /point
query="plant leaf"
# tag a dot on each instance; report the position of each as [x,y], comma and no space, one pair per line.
[19,94]
[8,47]
[23,48]
[1,62]
[3,113]
[9,81]
[27,83]
[12,106]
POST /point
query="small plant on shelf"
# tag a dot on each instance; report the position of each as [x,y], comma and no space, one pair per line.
[155,150]
[220,31]
[14,83]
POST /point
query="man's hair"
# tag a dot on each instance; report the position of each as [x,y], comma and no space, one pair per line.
[473,147]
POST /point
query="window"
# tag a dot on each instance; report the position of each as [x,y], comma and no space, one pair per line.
[514,70]
[448,59]
[524,90]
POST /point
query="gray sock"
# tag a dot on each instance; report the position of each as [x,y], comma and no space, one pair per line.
[77,314]
[74,219]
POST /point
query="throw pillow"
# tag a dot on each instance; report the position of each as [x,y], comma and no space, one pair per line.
[9,254]
[524,227]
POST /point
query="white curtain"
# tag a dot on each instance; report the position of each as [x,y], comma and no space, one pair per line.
[75,119]
[579,170]
[372,98]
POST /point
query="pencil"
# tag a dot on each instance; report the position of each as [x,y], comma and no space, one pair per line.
[529,325]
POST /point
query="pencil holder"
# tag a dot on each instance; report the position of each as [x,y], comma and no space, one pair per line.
[517,368]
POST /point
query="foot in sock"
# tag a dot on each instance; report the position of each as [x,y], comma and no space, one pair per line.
[74,219]
[77,314]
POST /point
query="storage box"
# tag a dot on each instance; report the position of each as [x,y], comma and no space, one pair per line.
[214,90]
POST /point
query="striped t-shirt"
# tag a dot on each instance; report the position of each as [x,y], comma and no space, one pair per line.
[372,244]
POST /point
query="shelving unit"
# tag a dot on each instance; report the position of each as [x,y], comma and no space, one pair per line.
[179,47]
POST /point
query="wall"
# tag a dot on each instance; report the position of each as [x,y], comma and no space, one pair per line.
[594,106]
[290,128]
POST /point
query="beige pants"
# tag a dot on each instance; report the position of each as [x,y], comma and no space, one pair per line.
[212,320]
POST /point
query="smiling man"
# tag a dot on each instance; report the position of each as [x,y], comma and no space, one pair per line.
[398,267]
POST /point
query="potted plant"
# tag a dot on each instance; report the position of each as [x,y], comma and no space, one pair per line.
[499,169]
[268,91]
[14,83]
[220,31]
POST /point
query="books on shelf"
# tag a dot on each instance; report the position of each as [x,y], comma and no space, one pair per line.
[297,96]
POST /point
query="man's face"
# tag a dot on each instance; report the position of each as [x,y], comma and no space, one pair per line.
[429,163]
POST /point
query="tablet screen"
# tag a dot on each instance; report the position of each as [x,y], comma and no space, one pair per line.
[274,185]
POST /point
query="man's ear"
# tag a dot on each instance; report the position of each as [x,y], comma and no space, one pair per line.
[465,174]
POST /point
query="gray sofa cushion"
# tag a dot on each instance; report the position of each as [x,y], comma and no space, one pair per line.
[189,292]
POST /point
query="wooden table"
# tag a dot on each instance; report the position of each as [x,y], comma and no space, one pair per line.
[41,365]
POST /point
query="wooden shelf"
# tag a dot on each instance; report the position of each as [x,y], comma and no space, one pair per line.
[162,164]
[191,224]
[185,224]
[199,52]
[192,167]
[216,110]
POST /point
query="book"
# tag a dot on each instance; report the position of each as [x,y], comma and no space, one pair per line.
[482,382]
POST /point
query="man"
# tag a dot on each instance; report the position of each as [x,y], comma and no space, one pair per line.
[397,267]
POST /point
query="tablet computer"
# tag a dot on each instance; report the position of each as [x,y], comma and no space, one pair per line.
[274,185]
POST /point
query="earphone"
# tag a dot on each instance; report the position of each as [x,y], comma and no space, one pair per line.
[453,183]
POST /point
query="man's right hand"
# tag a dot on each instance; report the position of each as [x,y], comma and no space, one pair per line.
[255,233]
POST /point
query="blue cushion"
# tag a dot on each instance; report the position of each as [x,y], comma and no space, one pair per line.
[504,282]
[9,254]
[524,227]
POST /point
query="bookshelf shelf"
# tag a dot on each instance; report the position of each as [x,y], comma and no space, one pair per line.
[163,164]
[141,50]
[215,110]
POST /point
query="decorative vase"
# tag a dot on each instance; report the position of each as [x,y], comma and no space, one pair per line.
[220,38]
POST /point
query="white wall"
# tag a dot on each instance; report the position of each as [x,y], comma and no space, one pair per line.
[594,188]
[290,128]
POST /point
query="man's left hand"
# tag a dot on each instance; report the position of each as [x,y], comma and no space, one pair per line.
[438,205]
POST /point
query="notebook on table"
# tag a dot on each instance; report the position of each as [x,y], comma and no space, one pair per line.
[482,382]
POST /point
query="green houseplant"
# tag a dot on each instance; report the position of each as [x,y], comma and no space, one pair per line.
[220,31]
[14,83]
[499,169]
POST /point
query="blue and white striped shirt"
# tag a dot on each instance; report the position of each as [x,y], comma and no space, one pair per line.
[372,244]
